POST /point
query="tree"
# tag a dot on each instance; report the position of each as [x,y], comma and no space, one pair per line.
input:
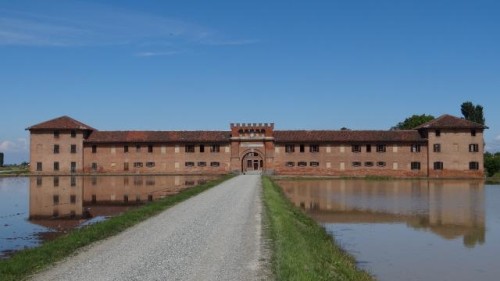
[1,159]
[413,121]
[491,163]
[473,112]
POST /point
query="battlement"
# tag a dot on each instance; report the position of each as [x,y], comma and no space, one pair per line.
[252,129]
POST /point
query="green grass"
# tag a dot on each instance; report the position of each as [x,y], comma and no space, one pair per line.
[14,170]
[27,262]
[302,250]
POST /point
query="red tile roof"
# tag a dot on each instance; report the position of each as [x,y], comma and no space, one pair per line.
[348,136]
[63,122]
[450,122]
[159,136]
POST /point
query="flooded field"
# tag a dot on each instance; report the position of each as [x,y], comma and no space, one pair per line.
[36,209]
[409,229]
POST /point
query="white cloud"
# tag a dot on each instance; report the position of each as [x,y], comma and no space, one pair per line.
[153,54]
[91,24]
[19,145]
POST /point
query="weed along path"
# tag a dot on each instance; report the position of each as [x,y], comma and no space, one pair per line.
[213,236]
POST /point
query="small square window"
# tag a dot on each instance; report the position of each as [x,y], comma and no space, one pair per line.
[415,148]
[302,164]
[415,165]
[150,164]
[189,164]
[437,147]
[314,148]
[473,165]
[381,164]
[438,133]
[215,148]
[473,147]
[356,164]
[314,164]
[214,164]
[369,164]
[356,148]
[290,164]
[381,148]
[138,165]
[189,149]
[202,164]
[289,148]
[438,166]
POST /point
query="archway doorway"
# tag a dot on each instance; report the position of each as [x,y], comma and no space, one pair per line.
[252,162]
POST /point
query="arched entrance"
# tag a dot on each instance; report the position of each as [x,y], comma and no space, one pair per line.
[252,161]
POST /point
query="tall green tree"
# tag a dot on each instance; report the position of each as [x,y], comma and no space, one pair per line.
[473,112]
[412,122]
[492,163]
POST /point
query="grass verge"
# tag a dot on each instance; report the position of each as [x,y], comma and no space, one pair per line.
[302,250]
[27,262]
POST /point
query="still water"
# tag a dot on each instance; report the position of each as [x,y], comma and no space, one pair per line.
[409,229]
[36,209]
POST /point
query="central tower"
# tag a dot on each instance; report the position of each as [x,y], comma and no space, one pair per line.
[252,147]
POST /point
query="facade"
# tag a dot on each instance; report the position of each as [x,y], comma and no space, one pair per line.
[445,147]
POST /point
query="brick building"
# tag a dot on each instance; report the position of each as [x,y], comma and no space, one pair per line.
[445,147]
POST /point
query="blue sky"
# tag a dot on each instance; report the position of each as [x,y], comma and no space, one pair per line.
[170,65]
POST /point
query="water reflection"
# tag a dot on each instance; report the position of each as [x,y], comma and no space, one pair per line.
[64,202]
[448,208]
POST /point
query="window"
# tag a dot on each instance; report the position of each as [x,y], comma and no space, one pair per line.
[214,164]
[138,165]
[415,165]
[150,148]
[438,165]
[302,164]
[381,164]
[56,148]
[73,133]
[150,164]
[72,199]
[73,181]
[202,148]
[356,164]
[473,165]
[55,199]
[438,133]
[314,148]
[437,147]
[73,167]
[56,166]
[356,148]
[125,149]
[125,166]
[56,181]
[39,181]
[289,148]
[415,148]
[94,167]
[189,148]
[368,164]
[56,134]
[473,132]
[290,164]
[215,148]
[302,148]
[94,149]
[73,148]
[202,164]
[137,148]
[39,166]
[189,164]
[381,148]
[368,148]
[473,147]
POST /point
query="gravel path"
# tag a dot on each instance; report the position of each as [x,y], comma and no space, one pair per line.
[213,236]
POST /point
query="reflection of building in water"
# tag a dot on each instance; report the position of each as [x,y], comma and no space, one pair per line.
[72,197]
[448,208]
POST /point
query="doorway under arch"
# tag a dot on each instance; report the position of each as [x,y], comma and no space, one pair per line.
[252,162]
